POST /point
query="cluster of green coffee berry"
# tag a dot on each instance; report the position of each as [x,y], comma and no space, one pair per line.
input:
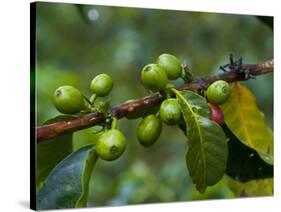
[68,100]
[112,143]
[155,78]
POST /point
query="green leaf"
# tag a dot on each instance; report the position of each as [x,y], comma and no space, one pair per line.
[51,152]
[207,152]
[67,185]
[197,103]
[247,122]
[244,164]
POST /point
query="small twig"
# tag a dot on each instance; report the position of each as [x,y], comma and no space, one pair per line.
[62,127]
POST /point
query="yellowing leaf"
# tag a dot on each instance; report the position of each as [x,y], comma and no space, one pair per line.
[252,188]
[246,121]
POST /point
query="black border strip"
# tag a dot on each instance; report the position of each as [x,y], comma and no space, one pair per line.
[32,105]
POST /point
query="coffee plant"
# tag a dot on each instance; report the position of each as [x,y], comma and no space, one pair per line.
[225,131]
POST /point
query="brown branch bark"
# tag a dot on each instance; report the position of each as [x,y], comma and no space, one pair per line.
[62,127]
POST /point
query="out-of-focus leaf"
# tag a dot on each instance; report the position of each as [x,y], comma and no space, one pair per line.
[82,12]
[252,188]
[218,191]
[267,20]
[86,137]
[67,185]
[244,164]
[49,153]
[207,148]
[247,122]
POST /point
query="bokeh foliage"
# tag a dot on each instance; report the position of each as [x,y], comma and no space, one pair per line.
[77,42]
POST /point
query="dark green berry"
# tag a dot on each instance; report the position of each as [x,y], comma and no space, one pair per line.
[171,65]
[218,92]
[68,100]
[101,85]
[170,112]
[149,130]
[111,145]
[154,77]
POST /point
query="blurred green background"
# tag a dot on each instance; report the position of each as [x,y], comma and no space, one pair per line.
[77,42]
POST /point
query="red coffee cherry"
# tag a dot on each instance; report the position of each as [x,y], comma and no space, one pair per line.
[217,114]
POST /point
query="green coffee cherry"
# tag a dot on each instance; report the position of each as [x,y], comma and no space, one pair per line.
[101,85]
[154,77]
[170,112]
[68,100]
[149,130]
[171,65]
[111,145]
[218,92]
